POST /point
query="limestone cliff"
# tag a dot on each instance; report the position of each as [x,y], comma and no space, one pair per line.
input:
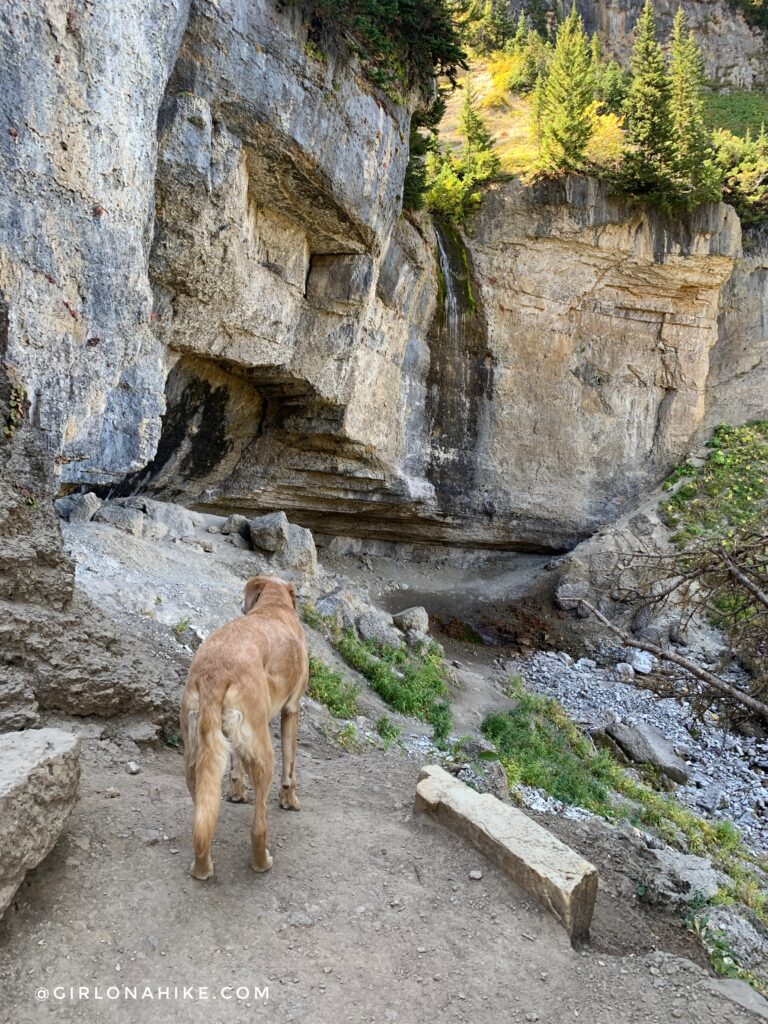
[734,52]
[212,295]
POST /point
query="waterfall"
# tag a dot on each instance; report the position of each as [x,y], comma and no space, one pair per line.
[460,374]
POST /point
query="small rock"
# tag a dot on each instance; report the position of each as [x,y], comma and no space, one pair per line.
[132,768]
[111,793]
[476,875]
[642,662]
[379,627]
[416,619]
[625,672]
[586,664]
[566,659]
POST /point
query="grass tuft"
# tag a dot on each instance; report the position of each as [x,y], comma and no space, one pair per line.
[329,688]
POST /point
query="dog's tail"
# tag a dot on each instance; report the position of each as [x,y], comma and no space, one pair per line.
[211,762]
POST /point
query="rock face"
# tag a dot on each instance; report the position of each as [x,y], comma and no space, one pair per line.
[734,52]
[58,651]
[39,777]
[269,333]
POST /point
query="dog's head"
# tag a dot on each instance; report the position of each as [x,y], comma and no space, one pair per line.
[257,585]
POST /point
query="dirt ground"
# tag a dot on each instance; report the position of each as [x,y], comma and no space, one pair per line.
[368,915]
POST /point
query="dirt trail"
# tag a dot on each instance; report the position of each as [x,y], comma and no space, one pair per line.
[368,915]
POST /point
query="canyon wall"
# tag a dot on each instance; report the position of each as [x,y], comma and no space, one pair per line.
[734,52]
[211,295]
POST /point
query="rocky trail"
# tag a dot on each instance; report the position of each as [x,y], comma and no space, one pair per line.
[370,913]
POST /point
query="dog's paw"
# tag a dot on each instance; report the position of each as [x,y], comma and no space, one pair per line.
[267,865]
[288,800]
[238,796]
[201,872]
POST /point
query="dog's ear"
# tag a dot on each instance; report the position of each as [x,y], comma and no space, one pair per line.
[252,593]
[292,592]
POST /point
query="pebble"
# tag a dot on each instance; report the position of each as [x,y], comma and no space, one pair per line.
[132,768]
[476,875]
[111,793]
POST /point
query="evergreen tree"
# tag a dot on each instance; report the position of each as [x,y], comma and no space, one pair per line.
[692,167]
[521,34]
[501,23]
[421,142]
[565,104]
[471,126]
[648,151]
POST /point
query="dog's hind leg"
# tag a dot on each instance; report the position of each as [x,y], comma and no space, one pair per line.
[289,727]
[237,792]
[261,766]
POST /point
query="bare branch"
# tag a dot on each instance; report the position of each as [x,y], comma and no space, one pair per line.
[709,678]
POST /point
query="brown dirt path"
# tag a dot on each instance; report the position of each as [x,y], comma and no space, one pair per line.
[367,916]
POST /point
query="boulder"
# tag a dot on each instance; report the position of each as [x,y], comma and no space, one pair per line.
[270,532]
[180,522]
[129,520]
[299,552]
[641,661]
[39,777]
[748,940]
[378,626]
[643,743]
[412,619]
[78,508]
[236,525]
[343,606]
[569,595]
[625,672]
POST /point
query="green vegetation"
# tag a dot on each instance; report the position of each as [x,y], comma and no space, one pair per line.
[555,105]
[738,111]
[388,731]
[181,626]
[727,495]
[329,688]
[540,746]
[401,44]
[564,100]
[755,11]
[454,179]
[743,166]
[413,684]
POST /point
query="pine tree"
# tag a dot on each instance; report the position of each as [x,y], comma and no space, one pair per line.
[501,23]
[648,151]
[565,105]
[694,174]
[521,34]
[471,126]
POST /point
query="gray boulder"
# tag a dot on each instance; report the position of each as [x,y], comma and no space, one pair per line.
[748,940]
[299,553]
[270,532]
[236,526]
[180,522]
[415,619]
[78,508]
[343,606]
[641,662]
[378,626]
[129,520]
[645,744]
[39,777]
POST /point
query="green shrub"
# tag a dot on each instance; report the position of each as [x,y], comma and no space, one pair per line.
[388,731]
[413,684]
[728,493]
[329,688]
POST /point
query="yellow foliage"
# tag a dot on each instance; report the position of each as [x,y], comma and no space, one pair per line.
[605,146]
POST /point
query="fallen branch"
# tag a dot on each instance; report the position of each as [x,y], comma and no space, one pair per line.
[709,678]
